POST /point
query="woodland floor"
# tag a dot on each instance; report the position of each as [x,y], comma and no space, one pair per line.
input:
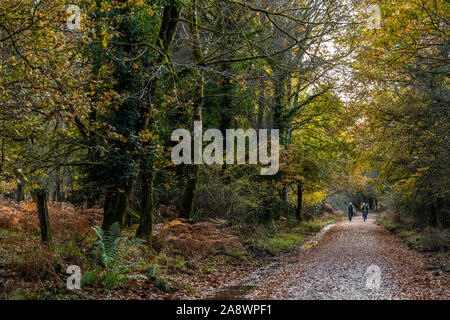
[330,264]
[336,267]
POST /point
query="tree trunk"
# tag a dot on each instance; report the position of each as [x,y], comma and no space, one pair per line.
[167,33]
[261,107]
[20,194]
[57,193]
[128,220]
[144,230]
[187,202]
[286,194]
[299,200]
[114,207]
[59,182]
[44,222]
[286,186]
[279,122]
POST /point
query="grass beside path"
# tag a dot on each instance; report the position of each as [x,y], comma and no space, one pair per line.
[282,236]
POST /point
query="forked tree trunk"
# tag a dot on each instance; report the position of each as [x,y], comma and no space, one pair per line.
[44,222]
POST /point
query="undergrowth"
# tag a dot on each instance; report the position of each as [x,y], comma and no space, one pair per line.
[430,240]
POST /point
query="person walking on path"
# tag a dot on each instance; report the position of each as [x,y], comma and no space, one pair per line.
[350,212]
[365,210]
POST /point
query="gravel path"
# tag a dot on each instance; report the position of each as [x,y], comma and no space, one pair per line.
[336,268]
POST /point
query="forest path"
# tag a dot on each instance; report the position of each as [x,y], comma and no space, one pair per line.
[336,268]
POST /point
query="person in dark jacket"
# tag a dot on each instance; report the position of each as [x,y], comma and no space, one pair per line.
[350,211]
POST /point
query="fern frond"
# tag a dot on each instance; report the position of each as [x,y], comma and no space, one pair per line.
[107,244]
[110,250]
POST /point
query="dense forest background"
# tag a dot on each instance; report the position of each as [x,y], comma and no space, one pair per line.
[86,114]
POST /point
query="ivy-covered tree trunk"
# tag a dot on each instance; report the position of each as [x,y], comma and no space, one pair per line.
[187,201]
[144,231]
[114,207]
[44,222]
[167,33]
[279,121]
